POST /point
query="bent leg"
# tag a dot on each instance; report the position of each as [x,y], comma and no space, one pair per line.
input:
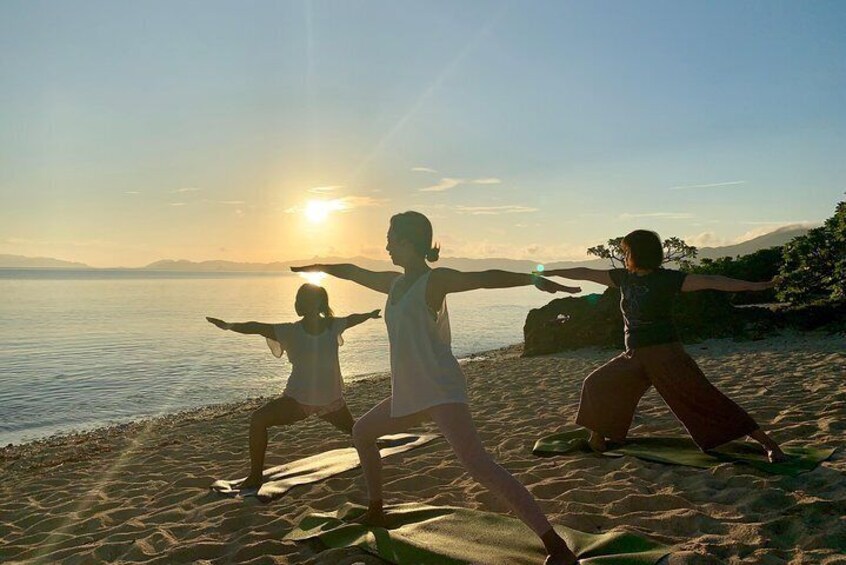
[341,419]
[456,424]
[610,396]
[709,416]
[278,412]
[370,427]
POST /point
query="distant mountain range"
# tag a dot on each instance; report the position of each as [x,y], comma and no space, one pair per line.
[21,262]
[772,239]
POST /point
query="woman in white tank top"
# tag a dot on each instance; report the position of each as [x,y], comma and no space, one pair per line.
[315,386]
[426,380]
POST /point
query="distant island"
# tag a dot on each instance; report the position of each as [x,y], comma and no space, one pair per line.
[773,239]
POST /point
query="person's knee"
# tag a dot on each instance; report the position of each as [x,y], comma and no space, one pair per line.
[361,436]
[479,464]
[258,420]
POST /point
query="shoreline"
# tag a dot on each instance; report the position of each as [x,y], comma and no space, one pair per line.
[12,452]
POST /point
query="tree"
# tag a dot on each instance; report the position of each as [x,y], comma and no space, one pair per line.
[761,265]
[814,266]
[675,249]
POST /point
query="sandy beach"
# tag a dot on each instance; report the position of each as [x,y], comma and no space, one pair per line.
[138,493]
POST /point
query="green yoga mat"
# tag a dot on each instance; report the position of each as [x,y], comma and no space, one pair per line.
[443,535]
[281,479]
[682,451]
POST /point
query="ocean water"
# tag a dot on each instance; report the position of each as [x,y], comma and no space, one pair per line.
[81,349]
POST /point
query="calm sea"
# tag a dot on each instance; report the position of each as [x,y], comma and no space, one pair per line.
[81,349]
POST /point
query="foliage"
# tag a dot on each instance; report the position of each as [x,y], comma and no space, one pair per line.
[762,265]
[814,266]
[675,250]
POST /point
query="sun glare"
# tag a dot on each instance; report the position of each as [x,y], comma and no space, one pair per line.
[318,210]
[314,278]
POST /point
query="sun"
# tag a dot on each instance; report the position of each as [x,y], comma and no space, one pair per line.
[318,210]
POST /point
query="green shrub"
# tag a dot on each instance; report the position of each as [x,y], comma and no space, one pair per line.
[814,267]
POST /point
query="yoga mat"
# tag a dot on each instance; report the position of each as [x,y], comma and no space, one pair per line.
[443,535]
[281,479]
[682,451]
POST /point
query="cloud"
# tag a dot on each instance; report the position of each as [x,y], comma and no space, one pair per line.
[345,204]
[711,239]
[710,185]
[778,223]
[707,239]
[325,189]
[131,192]
[445,184]
[659,215]
[495,210]
[770,227]
[350,202]
[423,170]
[188,189]
[178,203]
[229,202]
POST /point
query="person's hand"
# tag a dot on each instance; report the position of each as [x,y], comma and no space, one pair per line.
[219,323]
[308,269]
[545,273]
[764,285]
[547,285]
[376,314]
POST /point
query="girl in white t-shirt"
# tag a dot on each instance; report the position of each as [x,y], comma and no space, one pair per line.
[427,383]
[315,385]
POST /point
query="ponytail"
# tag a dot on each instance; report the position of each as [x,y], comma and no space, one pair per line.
[416,228]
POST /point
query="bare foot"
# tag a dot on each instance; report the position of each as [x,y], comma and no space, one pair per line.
[597,442]
[567,558]
[774,452]
[252,482]
[372,517]
[777,455]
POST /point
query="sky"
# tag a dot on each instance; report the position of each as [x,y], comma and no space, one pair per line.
[270,131]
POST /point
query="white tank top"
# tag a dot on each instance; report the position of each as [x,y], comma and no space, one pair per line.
[316,373]
[424,372]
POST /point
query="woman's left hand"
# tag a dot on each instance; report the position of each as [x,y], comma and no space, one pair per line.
[547,285]
[219,323]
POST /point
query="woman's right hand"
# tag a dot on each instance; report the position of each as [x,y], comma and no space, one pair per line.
[308,269]
[219,323]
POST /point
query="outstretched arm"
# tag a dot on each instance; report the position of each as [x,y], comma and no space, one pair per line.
[443,281]
[693,283]
[380,281]
[356,319]
[600,276]
[256,328]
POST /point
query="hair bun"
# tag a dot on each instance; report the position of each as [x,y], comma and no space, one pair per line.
[433,254]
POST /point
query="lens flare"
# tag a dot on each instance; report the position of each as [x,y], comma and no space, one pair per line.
[315,278]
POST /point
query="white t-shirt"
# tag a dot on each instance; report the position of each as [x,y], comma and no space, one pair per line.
[316,374]
[424,371]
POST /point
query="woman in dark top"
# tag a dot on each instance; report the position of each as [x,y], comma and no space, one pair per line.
[654,355]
